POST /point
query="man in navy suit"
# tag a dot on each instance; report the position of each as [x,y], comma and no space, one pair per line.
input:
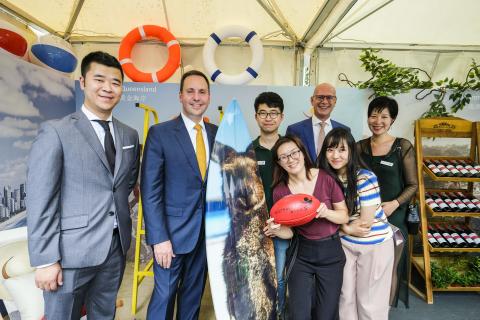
[313,130]
[173,189]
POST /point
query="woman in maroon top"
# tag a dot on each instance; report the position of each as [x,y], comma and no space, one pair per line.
[320,258]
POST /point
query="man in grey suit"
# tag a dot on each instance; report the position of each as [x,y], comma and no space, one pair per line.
[80,172]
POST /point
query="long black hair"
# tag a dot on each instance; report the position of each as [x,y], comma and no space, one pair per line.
[335,138]
[279,174]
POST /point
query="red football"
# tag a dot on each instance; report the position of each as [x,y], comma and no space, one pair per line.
[295,209]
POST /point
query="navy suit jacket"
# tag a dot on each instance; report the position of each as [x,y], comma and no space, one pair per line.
[173,193]
[304,131]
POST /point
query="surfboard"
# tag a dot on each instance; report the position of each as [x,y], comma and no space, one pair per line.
[241,262]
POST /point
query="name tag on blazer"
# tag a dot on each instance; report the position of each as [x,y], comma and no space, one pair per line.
[128,147]
[261,163]
[386,163]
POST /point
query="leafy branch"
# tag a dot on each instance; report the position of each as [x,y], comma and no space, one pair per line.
[388,79]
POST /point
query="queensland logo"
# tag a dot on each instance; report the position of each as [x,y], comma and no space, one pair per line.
[444,125]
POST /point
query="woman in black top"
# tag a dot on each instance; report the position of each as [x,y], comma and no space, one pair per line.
[392,159]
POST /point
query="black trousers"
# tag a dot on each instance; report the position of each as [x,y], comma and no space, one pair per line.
[318,266]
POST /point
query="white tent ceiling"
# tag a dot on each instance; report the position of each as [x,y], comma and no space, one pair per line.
[446,24]
[441,36]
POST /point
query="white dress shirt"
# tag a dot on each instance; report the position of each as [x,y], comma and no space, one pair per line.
[316,129]
[98,127]
[190,125]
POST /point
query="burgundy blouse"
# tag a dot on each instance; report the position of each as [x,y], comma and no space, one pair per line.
[327,191]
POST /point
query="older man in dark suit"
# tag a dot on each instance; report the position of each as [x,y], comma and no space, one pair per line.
[312,131]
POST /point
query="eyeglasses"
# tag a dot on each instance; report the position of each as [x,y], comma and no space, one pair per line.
[328,98]
[294,155]
[264,114]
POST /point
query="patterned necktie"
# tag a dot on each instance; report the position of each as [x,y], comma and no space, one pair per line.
[108,144]
[201,152]
[321,136]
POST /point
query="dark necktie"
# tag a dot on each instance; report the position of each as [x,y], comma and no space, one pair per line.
[108,144]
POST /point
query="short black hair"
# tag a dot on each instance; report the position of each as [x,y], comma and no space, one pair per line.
[194,73]
[99,57]
[271,99]
[380,103]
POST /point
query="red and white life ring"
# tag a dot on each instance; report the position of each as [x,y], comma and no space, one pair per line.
[142,33]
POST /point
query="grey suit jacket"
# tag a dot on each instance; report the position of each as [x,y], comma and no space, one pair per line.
[73,198]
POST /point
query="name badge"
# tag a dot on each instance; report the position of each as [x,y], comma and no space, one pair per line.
[386,163]
[261,163]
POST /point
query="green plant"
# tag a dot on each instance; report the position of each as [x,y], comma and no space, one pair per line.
[474,265]
[388,79]
[443,276]
[467,279]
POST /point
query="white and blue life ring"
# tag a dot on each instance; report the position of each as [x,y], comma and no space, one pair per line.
[251,37]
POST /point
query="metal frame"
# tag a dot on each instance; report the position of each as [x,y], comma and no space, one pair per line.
[368,14]
[272,9]
[73,19]
[317,22]
[27,18]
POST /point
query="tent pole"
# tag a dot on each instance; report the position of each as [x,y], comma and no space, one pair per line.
[27,18]
[73,19]
[359,20]
[275,13]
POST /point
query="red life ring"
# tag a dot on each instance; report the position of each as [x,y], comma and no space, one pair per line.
[141,33]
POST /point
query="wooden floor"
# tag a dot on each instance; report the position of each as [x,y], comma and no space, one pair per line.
[144,293]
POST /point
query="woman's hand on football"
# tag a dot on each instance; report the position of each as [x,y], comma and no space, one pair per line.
[272,228]
[322,211]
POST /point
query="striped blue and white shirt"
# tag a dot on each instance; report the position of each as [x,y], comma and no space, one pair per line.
[368,195]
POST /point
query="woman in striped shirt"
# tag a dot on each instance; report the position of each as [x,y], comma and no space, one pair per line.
[366,238]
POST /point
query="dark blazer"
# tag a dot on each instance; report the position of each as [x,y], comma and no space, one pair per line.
[304,131]
[173,193]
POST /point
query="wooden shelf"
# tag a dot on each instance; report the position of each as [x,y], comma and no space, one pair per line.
[451,214]
[458,250]
[417,262]
[457,289]
[448,127]
[447,179]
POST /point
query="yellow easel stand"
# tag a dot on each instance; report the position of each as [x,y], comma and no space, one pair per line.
[139,275]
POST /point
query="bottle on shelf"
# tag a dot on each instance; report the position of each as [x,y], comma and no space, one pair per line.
[438,200]
[451,242]
[465,173]
[442,168]
[441,242]
[475,201]
[451,168]
[431,239]
[475,166]
[475,173]
[451,204]
[432,204]
[471,243]
[461,243]
[463,207]
[470,205]
[434,168]
[472,235]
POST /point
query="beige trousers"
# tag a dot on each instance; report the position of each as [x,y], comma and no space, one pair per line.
[367,278]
